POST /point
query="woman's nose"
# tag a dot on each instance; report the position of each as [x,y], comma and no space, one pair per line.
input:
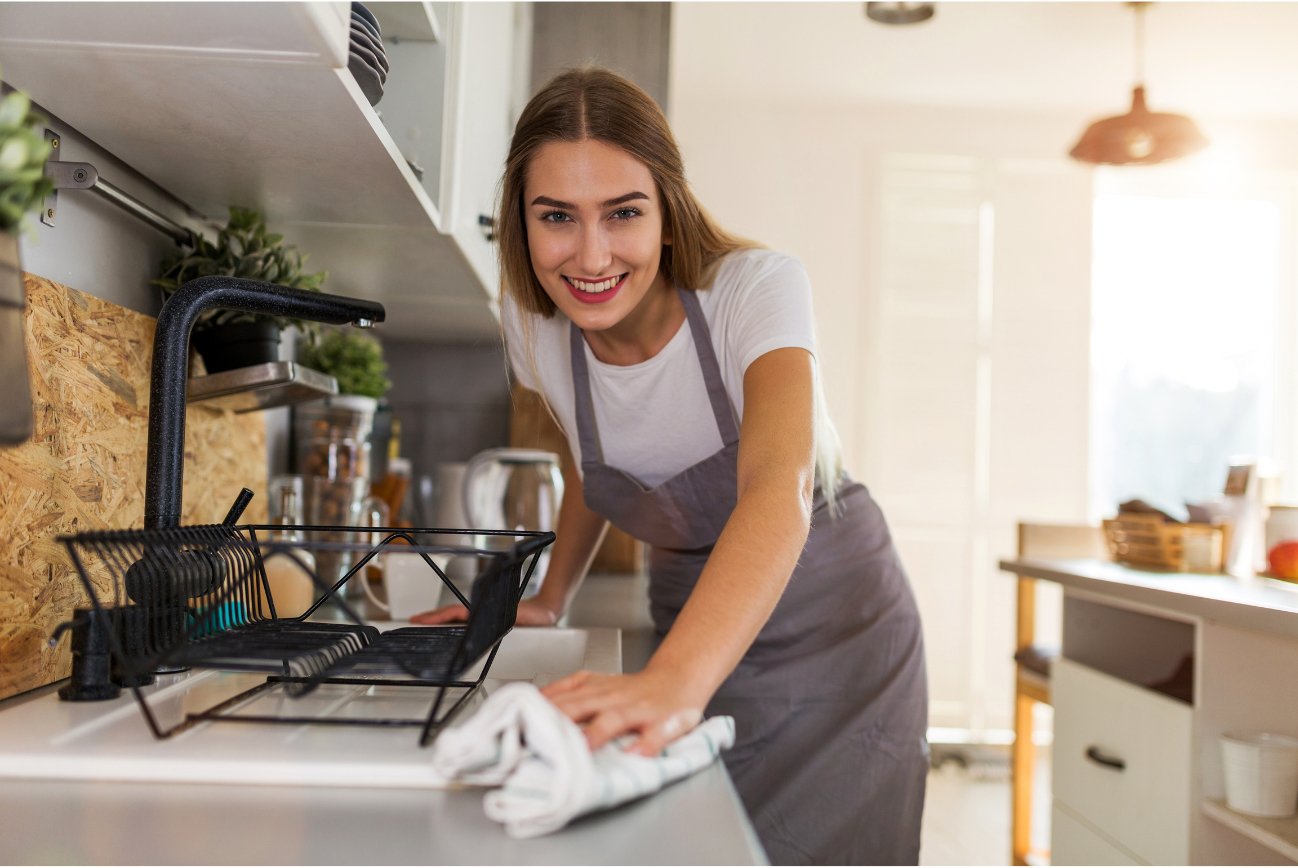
[594,255]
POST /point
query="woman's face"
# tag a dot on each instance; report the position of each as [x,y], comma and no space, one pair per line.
[595,234]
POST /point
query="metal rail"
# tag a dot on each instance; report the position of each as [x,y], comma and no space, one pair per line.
[84,176]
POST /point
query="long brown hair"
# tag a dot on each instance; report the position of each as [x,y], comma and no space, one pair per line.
[595,103]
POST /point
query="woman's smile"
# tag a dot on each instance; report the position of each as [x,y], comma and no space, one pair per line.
[596,291]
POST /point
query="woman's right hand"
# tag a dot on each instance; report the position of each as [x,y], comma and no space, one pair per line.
[531,613]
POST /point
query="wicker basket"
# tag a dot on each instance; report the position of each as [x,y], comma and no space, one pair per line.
[1149,541]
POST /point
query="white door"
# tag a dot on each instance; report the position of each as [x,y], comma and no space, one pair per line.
[977,397]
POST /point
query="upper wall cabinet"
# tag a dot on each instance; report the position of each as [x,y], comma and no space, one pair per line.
[253,104]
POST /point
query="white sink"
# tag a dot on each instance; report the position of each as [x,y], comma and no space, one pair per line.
[543,654]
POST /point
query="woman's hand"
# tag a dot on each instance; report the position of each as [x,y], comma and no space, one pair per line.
[531,613]
[655,706]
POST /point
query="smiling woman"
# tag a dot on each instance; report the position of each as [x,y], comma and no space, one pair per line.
[679,360]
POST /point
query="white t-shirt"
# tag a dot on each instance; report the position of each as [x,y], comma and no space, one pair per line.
[654,418]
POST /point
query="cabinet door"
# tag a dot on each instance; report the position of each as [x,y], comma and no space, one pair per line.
[484,52]
[1121,761]
[1072,842]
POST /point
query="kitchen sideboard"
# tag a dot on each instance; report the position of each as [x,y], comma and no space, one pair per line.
[1155,668]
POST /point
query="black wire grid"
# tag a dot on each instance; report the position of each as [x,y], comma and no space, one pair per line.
[198,597]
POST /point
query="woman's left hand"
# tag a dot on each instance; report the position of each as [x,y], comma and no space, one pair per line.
[652,705]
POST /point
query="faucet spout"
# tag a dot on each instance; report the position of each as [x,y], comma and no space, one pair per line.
[164,471]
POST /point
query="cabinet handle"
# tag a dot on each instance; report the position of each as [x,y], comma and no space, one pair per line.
[1094,755]
[488,226]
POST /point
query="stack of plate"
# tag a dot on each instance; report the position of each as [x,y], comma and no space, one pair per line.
[366,59]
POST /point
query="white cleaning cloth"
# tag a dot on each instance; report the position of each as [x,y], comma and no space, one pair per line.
[548,774]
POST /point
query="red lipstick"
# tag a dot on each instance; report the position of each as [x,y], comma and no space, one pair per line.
[596,297]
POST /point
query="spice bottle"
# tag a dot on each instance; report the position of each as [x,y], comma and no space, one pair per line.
[289,567]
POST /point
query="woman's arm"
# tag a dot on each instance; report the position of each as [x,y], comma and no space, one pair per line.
[742,581]
[578,535]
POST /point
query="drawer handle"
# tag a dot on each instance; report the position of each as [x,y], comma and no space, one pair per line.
[1094,755]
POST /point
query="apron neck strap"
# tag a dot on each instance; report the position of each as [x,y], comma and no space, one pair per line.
[588,431]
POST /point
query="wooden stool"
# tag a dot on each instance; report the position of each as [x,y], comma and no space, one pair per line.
[1032,666]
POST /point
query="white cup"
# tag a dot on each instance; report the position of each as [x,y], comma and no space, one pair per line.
[1261,771]
[409,583]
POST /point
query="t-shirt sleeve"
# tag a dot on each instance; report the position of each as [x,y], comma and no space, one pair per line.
[770,307]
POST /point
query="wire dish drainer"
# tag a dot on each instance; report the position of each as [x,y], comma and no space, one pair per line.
[198,597]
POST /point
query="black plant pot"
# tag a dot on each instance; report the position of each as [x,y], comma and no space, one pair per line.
[237,345]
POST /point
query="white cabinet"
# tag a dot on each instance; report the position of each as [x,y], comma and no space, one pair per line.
[252,104]
[483,125]
[1121,761]
[1074,842]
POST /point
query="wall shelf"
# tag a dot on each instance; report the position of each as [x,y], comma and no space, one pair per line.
[1277,834]
[260,387]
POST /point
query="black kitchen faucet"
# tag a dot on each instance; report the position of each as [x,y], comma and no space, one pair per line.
[165,467]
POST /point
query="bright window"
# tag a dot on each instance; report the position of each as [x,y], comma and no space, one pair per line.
[1186,373]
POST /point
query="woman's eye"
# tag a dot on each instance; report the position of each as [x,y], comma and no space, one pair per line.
[626,213]
[554,217]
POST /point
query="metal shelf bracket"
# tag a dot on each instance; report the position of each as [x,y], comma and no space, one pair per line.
[68,175]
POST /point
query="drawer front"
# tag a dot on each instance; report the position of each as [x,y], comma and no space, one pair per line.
[1121,760]
[1072,842]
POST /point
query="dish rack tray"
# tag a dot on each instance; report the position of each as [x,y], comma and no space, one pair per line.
[193,597]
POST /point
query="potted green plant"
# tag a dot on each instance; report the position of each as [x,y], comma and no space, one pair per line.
[228,339]
[23,187]
[351,357]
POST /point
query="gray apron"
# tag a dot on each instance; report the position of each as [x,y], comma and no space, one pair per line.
[831,701]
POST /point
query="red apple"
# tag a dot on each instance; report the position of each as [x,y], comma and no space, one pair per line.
[1283,559]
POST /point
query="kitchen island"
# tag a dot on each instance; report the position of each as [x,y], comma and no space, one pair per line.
[1155,667]
[62,820]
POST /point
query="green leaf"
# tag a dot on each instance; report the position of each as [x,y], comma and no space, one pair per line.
[13,155]
[13,110]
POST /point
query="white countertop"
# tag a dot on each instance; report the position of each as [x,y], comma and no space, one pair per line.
[46,821]
[1251,602]
[695,821]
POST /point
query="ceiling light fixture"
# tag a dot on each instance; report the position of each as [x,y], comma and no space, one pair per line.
[1139,137]
[899,13]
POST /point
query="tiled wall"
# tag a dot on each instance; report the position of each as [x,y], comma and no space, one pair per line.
[452,400]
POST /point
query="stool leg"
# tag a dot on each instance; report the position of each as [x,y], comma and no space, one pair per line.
[1022,760]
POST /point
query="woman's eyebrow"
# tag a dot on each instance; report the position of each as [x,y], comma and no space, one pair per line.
[556,203]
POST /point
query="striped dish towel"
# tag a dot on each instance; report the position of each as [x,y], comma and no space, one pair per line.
[545,773]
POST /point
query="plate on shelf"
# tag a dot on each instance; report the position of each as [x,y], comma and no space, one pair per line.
[361,39]
[359,9]
[370,60]
[366,76]
[367,27]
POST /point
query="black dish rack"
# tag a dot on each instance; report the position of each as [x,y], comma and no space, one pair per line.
[172,599]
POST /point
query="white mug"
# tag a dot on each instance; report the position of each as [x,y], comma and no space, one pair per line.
[409,583]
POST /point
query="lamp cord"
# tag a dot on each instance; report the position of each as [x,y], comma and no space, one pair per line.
[1139,9]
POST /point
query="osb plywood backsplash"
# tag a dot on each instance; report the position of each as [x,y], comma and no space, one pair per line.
[83,468]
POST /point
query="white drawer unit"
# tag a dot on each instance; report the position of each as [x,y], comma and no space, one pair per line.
[1122,762]
[1073,842]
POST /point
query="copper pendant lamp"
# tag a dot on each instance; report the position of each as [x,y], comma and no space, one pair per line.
[1140,137]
